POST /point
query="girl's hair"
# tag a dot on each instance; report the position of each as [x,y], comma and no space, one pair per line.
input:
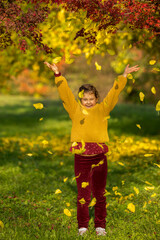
[89,88]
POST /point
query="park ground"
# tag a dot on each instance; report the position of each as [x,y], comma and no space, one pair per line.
[37,173]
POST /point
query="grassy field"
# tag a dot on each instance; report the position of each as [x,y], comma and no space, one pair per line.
[35,162]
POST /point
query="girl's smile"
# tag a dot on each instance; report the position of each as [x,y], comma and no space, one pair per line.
[89,100]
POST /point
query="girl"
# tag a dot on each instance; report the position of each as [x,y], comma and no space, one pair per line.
[88,136]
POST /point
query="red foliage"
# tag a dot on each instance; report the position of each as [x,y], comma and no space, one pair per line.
[136,14]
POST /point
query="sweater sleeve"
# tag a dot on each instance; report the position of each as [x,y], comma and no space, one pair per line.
[111,99]
[66,95]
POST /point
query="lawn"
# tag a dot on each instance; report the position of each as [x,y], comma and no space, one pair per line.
[35,162]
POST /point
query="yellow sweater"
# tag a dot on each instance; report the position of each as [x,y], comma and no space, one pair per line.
[89,125]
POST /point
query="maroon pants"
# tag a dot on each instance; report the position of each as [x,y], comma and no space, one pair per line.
[93,171]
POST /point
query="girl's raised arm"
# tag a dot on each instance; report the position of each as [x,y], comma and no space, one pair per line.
[64,90]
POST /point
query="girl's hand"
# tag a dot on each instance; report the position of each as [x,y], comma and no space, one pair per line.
[53,67]
[130,70]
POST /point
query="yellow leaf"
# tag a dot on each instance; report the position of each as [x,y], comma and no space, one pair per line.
[61,163]
[98,67]
[149,188]
[148,183]
[158,165]
[107,205]
[153,195]
[74,144]
[117,193]
[100,145]
[129,76]
[141,96]
[123,182]
[29,154]
[58,191]
[158,106]
[131,207]
[106,118]
[38,105]
[152,62]
[45,142]
[139,126]
[65,179]
[114,188]
[136,190]
[84,184]
[1,224]
[120,163]
[50,152]
[67,212]
[133,80]
[68,204]
[40,119]
[93,202]
[145,203]
[82,201]
[56,60]
[84,111]
[80,94]
[148,155]
[76,176]
[101,162]
[153,90]
[158,222]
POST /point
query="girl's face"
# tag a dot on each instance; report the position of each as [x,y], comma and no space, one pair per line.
[89,100]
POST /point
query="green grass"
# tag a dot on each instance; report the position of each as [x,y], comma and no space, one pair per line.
[29,207]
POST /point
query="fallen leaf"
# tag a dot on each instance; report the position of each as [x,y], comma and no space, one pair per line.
[139,126]
[136,190]
[1,224]
[131,207]
[38,105]
[98,67]
[93,202]
[84,184]
[58,191]
[65,179]
[152,62]
[82,201]
[67,212]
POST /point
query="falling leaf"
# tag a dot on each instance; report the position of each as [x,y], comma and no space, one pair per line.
[98,67]
[100,145]
[131,207]
[153,195]
[139,126]
[133,80]
[67,212]
[76,176]
[58,191]
[158,106]
[136,190]
[106,118]
[158,165]
[61,163]
[129,76]
[1,224]
[149,188]
[50,152]
[152,62]
[80,94]
[84,184]
[84,111]
[38,105]
[123,182]
[56,60]
[65,179]
[153,90]
[82,201]
[93,202]
[141,96]
[114,188]
[74,144]
[29,154]
[40,119]
[120,163]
